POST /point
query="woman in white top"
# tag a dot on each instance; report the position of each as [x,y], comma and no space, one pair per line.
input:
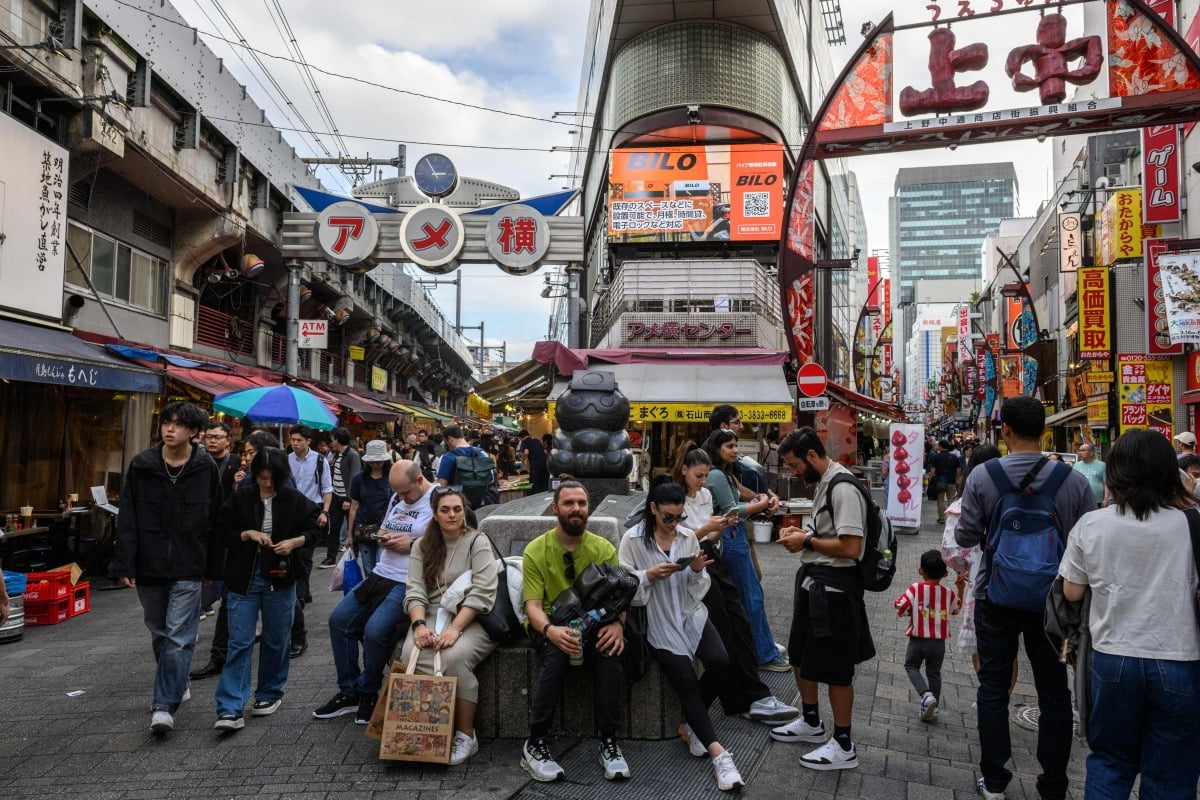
[1136,557]
[671,585]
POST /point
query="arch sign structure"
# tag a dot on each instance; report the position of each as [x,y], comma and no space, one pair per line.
[1139,73]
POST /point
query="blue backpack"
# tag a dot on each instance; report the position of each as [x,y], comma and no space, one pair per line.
[1025,540]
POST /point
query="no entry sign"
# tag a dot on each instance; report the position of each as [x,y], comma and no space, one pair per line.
[811,380]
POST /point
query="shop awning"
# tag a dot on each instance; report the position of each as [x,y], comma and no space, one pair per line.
[867,405]
[421,411]
[45,355]
[514,383]
[1065,417]
[213,383]
[688,393]
[367,410]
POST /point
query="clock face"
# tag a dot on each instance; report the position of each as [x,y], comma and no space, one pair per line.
[435,175]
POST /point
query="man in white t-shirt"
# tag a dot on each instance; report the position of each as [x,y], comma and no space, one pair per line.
[371,612]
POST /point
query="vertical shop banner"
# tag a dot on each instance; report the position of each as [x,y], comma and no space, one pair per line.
[1097,410]
[964,334]
[1158,333]
[905,493]
[873,282]
[1160,174]
[1012,325]
[1070,242]
[980,372]
[1010,376]
[1145,398]
[1121,227]
[1192,37]
[1095,335]
[1180,276]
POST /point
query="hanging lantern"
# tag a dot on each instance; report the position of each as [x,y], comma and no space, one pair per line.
[251,265]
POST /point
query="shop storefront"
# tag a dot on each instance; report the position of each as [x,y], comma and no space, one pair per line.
[73,415]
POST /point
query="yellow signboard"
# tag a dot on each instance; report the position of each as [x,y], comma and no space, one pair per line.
[698,412]
[1121,226]
[357,353]
[1097,411]
[1099,377]
[378,379]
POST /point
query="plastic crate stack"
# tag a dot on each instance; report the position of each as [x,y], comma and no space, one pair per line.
[50,598]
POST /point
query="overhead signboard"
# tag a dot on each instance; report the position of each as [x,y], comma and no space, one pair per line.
[314,334]
[697,193]
[1070,242]
[1160,173]
[33,221]
[812,403]
[432,237]
[346,233]
[1180,275]
[518,237]
[1121,226]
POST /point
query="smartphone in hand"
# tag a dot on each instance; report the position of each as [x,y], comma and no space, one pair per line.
[685,562]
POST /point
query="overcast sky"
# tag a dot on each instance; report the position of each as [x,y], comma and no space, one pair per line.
[525,56]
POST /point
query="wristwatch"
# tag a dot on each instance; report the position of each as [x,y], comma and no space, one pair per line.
[545,628]
[417,622]
[808,544]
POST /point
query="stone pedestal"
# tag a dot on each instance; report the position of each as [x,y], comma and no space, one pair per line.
[600,488]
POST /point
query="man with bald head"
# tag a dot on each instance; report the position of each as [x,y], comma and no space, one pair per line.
[371,612]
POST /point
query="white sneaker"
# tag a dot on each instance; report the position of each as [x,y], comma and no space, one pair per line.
[985,793]
[462,747]
[613,761]
[929,706]
[162,721]
[689,738]
[770,711]
[830,756]
[728,777]
[799,731]
[537,761]
[187,694]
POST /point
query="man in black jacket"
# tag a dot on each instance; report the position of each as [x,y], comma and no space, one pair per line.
[165,547]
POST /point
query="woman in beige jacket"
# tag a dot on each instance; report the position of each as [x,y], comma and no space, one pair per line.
[447,550]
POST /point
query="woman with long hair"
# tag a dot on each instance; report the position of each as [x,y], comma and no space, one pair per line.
[1136,557]
[369,492]
[672,583]
[263,528]
[744,692]
[449,549]
[722,483]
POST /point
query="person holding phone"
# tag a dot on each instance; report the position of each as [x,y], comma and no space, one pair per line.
[672,582]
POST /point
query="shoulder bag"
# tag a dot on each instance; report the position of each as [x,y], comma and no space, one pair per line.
[501,623]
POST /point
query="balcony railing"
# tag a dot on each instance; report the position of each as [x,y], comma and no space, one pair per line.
[224,332]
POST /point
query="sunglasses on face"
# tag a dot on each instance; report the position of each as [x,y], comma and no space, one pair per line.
[669,518]
[569,563]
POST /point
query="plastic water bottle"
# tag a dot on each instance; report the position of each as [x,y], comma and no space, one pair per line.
[885,563]
[591,621]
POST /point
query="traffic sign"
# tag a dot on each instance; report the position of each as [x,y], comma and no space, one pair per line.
[811,380]
[812,404]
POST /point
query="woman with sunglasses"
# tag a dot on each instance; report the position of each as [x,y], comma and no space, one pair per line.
[722,482]
[449,549]
[672,582]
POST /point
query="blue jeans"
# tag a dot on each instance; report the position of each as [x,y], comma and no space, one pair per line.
[999,632]
[171,612]
[368,556]
[352,622]
[277,607]
[735,555]
[1145,718]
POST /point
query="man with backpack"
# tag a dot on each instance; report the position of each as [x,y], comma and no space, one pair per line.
[830,634]
[465,466]
[1020,508]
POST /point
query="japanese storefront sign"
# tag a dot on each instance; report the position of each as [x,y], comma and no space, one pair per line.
[980,372]
[715,331]
[1145,393]
[33,219]
[314,334]
[1180,276]
[1010,376]
[346,233]
[1160,174]
[1070,242]
[1158,335]
[698,193]
[358,353]
[699,412]
[518,237]
[432,237]
[1095,335]
[379,379]
[1121,226]
[1012,325]
[964,333]
[1097,410]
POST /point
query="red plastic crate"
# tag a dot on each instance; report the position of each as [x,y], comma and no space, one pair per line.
[43,587]
[50,612]
[81,599]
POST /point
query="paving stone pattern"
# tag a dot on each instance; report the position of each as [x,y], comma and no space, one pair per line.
[98,744]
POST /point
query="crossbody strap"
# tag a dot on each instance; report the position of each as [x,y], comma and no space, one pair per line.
[1193,518]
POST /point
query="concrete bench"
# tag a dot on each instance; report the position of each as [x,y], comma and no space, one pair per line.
[506,679]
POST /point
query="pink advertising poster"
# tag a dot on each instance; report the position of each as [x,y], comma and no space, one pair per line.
[907,443]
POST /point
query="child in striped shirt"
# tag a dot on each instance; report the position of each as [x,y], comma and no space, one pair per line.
[928,606]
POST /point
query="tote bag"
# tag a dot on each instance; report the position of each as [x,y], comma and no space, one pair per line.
[418,720]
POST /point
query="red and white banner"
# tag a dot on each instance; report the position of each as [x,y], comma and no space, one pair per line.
[964,334]
[1160,174]
[872,281]
[1158,333]
[907,456]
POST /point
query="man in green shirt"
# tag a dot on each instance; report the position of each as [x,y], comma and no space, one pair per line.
[550,564]
[1092,469]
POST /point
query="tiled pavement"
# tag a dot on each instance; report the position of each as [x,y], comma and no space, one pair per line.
[97,744]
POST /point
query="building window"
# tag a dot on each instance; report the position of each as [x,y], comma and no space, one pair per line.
[117,270]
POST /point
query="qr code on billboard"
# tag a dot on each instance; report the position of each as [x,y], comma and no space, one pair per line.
[756,204]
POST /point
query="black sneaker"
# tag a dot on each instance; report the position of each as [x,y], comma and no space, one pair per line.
[328,563]
[339,706]
[230,722]
[366,707]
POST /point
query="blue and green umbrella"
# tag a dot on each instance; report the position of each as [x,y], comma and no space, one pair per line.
[284,405]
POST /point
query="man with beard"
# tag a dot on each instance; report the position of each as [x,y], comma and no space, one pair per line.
[550,564]
[830,633]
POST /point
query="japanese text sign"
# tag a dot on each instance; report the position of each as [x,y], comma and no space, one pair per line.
[1160,174]
[714,331]
[1158,334]
[518,237]
[697,193]
[964,334]
[1121,226]
[1095,334]
[1145,393]
[1070,242]
[1180,276]
[347,233]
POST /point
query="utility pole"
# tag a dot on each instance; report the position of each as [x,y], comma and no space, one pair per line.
[291,358]
[457,283]
[574,273]
[361,167]
[481,353]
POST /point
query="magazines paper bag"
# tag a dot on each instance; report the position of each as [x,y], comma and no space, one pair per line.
[418,721]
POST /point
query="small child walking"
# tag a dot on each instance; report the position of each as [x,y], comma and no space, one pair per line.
[928,606]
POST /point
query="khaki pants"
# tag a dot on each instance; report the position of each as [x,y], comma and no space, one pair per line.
[945,498]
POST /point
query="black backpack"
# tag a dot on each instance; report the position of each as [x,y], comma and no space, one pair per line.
[475,474]
[876,569]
